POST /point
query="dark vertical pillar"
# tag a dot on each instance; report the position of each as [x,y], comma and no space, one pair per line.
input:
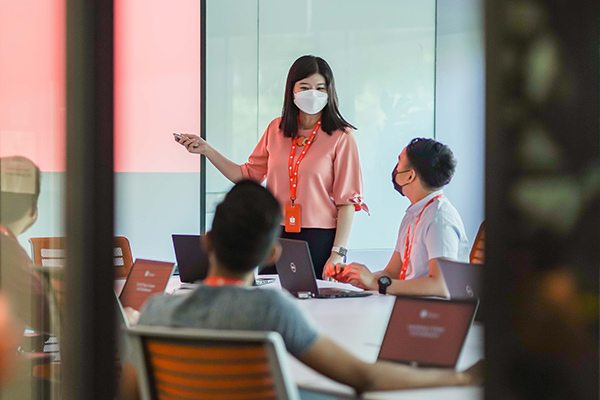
[542,199]
[89,340]
[203,113]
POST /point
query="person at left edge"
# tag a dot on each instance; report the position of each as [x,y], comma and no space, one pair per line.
[329,179]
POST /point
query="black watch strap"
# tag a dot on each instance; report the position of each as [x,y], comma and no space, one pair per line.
[384,282]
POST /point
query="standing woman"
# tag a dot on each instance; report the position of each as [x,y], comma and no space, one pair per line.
[309,157]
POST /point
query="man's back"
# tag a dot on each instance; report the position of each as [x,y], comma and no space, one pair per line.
[237,308]
[21,285]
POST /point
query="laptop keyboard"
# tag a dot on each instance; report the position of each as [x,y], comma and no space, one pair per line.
[332,292]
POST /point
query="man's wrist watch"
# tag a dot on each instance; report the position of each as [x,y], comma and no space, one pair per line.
[384,282]
[342,251]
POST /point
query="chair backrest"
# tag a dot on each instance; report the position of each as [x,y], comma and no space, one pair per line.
[477,255]
[187,363]
[123,259]
[50,252]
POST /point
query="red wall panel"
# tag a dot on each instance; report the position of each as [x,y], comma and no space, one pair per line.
[32,81]
[157,84]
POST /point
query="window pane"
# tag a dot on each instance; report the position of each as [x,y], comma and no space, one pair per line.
[157,92]
[32,147]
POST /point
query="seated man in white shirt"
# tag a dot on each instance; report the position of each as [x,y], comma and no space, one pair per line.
[430,230]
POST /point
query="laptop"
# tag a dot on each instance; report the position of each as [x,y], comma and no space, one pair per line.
[192,260]
[464,280]
[297,275]
[122,320]
[146,278]
[426,332]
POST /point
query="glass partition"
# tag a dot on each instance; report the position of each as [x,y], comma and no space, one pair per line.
[157,92]
[32,172]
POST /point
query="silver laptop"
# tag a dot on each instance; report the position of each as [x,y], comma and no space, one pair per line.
[297,275]
[427,332]
[464,280]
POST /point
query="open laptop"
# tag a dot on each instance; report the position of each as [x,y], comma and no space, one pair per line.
[463,280]
[426,332]
[192,261]
[146,278]
[297,275]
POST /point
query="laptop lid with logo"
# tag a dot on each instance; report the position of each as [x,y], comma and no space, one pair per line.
[427,332]
[295,268]
[463,280]
[192,260]
[145,279]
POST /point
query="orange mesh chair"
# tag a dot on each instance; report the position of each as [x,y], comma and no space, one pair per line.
[181,363]
[50,252]
[477,255]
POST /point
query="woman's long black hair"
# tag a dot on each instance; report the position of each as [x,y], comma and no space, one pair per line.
[331,119]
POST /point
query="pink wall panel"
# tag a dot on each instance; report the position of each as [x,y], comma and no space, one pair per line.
[32,81]
[157,84]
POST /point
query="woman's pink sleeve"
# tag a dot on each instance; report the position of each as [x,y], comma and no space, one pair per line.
[257,165]
[347,175]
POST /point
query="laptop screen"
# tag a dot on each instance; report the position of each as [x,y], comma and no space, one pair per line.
[145,279]
[427,332]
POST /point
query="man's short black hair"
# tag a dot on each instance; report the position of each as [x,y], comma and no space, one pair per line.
[246,226]
[432,160]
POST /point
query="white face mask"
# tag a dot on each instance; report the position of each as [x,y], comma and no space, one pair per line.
[310,101]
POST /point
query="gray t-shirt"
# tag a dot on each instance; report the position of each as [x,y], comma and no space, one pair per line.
[236,308]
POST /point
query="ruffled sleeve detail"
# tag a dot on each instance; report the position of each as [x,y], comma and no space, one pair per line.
[360,205]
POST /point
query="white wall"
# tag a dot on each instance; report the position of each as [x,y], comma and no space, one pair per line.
[460,102]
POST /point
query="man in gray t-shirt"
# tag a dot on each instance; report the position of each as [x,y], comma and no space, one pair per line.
[244,234]
[237,308]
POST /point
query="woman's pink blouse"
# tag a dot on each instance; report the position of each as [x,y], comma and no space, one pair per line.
[329,174]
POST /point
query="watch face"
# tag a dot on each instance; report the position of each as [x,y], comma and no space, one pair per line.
[384,280]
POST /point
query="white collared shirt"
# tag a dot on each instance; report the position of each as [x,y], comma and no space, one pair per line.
[440,233]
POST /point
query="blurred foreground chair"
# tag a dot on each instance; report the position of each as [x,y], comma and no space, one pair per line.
[186,363]
[477,255]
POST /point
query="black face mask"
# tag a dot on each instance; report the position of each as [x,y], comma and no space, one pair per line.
[396,186]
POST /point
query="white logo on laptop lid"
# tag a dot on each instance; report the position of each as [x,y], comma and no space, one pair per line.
[470,291]
[293,267]
[428,314]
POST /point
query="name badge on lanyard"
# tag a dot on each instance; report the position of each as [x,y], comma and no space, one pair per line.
[293,214]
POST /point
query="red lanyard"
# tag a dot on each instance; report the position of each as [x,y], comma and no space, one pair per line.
[408,247]
[293,169]
[222,281]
